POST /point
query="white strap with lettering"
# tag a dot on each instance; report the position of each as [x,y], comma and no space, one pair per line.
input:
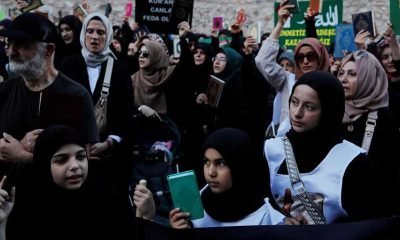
[369,130]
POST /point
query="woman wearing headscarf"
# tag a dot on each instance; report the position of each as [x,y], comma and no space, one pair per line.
[191,77]
[368,123]
[69,29]
[231,109]
[309,54]
[388,55]
[71,201]
[235,194]
[89,69]
[332,171]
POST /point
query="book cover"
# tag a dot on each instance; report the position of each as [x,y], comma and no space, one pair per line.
[364,21]
[60,108]
[255,31]
[33,4]
[296,8]
[128,9]
[344,41]
[214,90]
[218,23]
[395,15]
[185,193]
[316,5]
[79,11]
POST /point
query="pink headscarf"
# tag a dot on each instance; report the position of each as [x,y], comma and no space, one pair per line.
[371,91]
[319,49]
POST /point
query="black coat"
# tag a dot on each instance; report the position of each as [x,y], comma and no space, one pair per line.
[120,98]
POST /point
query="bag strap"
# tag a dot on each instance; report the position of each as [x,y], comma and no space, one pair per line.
[369,130]
[106,82]
[312,208]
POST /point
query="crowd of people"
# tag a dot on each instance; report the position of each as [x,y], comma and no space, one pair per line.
[297,137]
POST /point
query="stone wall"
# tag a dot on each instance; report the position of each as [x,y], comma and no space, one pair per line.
[204,10]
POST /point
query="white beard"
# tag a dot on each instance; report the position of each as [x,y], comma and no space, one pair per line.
[30,68]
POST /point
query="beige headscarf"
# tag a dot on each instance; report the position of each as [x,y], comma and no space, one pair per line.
[148,83]
[320,50]
[371,91]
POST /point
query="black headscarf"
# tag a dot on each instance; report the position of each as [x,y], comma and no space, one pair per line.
[48,143]
[63,50]
[248,174]
[233,63]
[311,147]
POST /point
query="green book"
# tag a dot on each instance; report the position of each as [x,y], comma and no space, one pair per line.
[185,193]
[395,15]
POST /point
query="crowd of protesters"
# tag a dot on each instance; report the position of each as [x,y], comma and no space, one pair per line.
[296,137]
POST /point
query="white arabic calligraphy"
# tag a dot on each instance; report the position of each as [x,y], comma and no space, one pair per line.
[332,18]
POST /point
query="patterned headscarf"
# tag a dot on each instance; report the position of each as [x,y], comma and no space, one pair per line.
[371,91]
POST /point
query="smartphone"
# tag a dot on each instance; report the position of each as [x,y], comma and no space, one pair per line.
[296,8]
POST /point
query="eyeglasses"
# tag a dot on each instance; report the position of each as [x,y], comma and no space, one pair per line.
[311,56]
[144,54]
[219,59]
[131,49]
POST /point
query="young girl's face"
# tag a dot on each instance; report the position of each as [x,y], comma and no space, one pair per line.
[219,63]
[348,76]
[69,166]
[216,172]
[66,33]
[305,109]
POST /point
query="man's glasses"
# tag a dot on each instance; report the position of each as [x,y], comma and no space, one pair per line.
[144,54]
[311,56]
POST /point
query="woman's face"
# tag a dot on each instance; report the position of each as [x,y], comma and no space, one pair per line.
[386,59]
[305,109]
[131,49]
[307,59]
[287,65]
[66,33]
[144,57]
[199,56]
[348,76]
[69,166]
[219,63]
[216,172]
[95,36]
[117,45]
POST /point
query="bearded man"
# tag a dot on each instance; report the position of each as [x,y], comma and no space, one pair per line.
[24,100]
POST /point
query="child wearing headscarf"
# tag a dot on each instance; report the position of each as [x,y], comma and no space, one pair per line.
[236,194]
[67,196]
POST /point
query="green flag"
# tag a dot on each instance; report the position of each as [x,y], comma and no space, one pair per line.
[295,29]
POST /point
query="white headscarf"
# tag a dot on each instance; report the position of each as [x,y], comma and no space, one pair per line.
[92,59]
